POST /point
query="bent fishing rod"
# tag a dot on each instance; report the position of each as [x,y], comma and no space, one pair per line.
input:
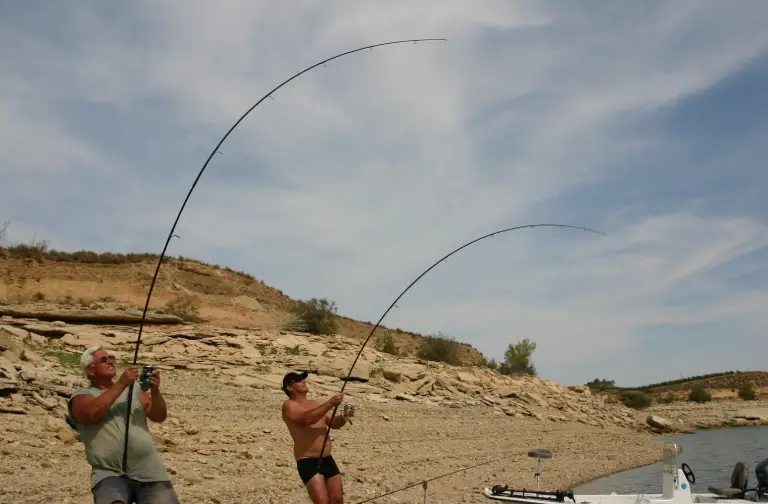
[194,184]
[442,259]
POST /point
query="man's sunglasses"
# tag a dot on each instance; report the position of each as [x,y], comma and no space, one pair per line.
[106,358]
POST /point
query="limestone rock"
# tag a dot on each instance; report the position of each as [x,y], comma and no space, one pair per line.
[49,331]
[752,414]
[404,371]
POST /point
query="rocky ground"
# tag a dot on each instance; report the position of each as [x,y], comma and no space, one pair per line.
[224,440]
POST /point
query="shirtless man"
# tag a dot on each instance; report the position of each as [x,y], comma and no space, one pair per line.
[307,422]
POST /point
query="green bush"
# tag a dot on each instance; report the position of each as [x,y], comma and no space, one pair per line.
[517,359]
[386,343]
[699,394]
[318,316]
[440,348]
[747,392]
[635,399]
[601,384]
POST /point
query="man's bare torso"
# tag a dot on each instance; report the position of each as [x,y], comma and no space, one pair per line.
[308,440]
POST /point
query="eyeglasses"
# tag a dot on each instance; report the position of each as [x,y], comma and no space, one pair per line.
[107,358]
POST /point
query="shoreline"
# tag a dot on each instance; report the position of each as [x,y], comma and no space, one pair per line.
[660,438]
[720,413]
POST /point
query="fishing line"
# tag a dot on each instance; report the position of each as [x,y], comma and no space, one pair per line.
[423,483]
[346,380]
[183,205]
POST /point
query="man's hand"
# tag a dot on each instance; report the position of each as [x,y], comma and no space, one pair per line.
[154,403]
[337,399]
[154,382]
[128,376]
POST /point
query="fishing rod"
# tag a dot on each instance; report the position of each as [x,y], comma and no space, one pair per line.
[346,380]
[423,483]
[194,184]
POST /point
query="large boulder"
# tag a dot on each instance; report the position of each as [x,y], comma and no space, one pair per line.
[340,367]
[659,424]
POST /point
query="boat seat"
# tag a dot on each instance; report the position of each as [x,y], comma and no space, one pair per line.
[739,480]
[540,453]
[726,492]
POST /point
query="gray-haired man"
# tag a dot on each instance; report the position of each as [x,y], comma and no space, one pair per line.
[98,413]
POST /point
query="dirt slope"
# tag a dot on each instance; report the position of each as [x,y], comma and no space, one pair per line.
[223,297]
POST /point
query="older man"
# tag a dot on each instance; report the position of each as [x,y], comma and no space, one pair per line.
[98,413]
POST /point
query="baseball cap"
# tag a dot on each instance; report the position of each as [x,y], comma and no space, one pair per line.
[293,378]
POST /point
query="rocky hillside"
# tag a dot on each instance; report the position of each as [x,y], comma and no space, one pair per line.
[38,367]
[217,295]
[720,386]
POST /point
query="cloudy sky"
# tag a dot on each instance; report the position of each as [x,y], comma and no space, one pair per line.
[642,121]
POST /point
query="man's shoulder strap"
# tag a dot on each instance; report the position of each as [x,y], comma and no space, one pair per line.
[70,418]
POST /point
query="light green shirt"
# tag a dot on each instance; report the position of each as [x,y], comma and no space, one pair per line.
[104,441]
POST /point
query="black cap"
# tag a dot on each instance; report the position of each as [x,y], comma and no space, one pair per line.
[293,378]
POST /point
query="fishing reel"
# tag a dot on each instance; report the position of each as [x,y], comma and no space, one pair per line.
[347,412]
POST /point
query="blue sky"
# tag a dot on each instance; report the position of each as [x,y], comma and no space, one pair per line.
[647,123]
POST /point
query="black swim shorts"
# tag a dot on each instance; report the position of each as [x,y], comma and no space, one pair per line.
[308,467]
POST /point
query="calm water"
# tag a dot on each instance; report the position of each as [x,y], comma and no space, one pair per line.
[711,454]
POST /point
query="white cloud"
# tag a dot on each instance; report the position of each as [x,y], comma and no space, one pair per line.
[356,176]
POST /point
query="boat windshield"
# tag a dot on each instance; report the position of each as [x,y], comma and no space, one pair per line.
[670,451]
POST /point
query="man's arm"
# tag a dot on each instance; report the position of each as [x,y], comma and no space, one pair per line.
[295,413]
[89,409]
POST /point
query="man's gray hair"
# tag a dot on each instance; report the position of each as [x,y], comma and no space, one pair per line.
[86,359]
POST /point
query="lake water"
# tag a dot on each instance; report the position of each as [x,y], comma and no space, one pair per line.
[711,454]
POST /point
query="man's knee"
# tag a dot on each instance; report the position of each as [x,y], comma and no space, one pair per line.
[320,498]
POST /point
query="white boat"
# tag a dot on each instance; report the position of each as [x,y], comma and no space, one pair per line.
[676,486]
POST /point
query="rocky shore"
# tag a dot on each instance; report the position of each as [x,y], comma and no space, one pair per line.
[224,440]
[685,416]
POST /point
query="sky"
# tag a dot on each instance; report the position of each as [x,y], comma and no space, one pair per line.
[645,122]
